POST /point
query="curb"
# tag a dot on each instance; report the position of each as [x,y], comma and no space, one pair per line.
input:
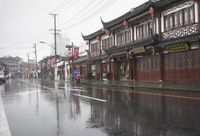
[147,87]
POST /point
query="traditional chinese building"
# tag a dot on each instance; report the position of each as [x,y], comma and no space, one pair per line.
[156,41]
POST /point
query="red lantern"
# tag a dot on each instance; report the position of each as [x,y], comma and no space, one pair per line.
[108,32]
[98,37]
[125,23]
[151,11]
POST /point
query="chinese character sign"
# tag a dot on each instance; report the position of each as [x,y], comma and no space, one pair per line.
[69,53]
[76,53]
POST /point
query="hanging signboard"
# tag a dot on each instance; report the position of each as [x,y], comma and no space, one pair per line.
[177,47]
[76,53]
[138,50]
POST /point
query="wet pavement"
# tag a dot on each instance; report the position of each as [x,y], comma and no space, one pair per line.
[48,108]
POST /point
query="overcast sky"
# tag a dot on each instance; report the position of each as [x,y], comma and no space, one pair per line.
[24,22]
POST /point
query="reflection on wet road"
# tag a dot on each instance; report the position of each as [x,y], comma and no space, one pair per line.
[47,108]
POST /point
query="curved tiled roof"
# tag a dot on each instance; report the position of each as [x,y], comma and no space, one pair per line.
[131,14]
[134,44]
[93,35]
[142,8]
[138,10]
[115,21]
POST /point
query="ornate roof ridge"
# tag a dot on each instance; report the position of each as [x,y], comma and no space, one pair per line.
[93,35]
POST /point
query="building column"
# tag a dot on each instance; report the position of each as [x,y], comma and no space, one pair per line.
[101,71]
[134,67]
[110,74]
[130,64]
[198,10]
[161,66]
[112,69]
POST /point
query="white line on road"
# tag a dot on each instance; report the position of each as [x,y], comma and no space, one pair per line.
[61,87]
[77,90]
[92,98]
[4,127]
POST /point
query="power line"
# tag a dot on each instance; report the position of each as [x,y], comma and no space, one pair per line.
[79,13]
[21,42]
[97,6]
[46,24]
[90,16]
[72,4]
[61,5]
[96,12]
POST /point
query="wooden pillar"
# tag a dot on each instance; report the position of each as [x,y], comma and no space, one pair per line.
[130,61]
[161,66]
[113,77]
[110,75]
[197,1]
[134,67]
[101,71]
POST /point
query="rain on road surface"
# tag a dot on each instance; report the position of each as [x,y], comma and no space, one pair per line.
[47,108]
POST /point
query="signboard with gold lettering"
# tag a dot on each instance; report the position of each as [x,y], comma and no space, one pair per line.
[138,50]
[177,47]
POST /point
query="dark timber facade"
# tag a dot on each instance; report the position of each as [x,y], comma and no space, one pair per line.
[154,42]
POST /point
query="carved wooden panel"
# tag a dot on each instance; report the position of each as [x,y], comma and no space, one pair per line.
[184,31]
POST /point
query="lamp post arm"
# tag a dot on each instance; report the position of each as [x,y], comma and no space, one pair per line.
[47,44]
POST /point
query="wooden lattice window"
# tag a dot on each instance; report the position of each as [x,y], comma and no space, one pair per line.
[189,15]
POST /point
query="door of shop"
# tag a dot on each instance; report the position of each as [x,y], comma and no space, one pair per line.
[182,66]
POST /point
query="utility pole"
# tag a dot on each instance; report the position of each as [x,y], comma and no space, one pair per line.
[55,42]
[28,64]
[36,70]
[55,33]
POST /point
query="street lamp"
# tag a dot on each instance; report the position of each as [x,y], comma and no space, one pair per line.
[47,44]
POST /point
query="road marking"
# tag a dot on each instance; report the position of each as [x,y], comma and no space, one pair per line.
[61,87]
[168,95]
[77,90]
[92,98]
[77,87]
[4,127]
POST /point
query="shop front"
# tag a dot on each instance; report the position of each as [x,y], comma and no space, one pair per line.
[147,64]
[119,66]
[182,62]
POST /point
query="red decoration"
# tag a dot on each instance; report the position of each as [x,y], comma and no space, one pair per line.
[125,23]
[151,11]
[76,53]
[98,37]
[108,32]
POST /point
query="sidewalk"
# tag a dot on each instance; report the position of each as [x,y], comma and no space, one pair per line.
[4,127]
[147,85]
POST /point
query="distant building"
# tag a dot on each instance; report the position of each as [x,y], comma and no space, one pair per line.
[61,43]
[17,67]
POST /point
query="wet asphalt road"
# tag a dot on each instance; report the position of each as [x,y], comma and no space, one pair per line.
[47,108]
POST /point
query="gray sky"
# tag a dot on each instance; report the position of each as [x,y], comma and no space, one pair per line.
[24,22]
